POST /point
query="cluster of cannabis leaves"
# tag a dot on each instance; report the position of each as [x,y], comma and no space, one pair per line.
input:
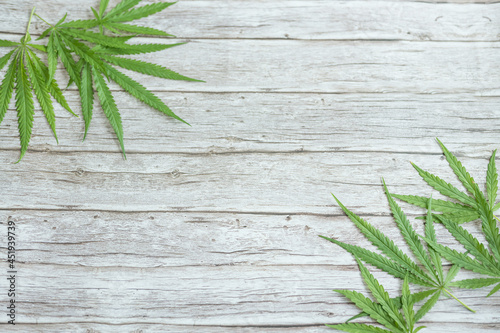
[88,57]
[398,314]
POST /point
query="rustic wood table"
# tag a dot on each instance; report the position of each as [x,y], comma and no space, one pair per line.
[214,227]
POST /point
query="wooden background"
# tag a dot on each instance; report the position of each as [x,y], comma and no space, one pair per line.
[213,228]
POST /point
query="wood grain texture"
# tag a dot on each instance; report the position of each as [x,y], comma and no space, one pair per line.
[284,19]
[283,183]
[283,123]
[334,67]
[214,227]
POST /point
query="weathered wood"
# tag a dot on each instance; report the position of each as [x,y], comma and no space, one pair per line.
[283,183]
[213,227]
[325,19]
[335,67]
[275,123]
[103,239]
[226,295]
[157,328]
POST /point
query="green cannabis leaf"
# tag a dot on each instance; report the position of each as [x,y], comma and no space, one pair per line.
[385,311]
[97,54]
[477,258]
[466,209]
[395,262]
[27,73]
[123,12]
[89,57]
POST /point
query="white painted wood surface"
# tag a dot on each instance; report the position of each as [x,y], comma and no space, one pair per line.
[213,228]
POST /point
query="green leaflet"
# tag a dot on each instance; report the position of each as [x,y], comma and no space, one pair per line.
[136,29]
[385,312]
[457,217]
[430,233]
[4,42]
[407,304]
[494,290]
[110,28]
[136,49]
[44,33]
[146,68]
[124,12]
[61,20]
[108,106]
[7,88]
[444,188]
[67,60]
[489,224]
[84,24]
[475,283]
[427,306]
[78,67]
[381,262]
[358,328]
[470,243]
[51,58]
[140,12]
[437,205]
[452,272]
[38,47]
[102,7]
[117,42]
[409,234]
[122,7]
[5,59]
[42,94]
[492,180]
[459,259]
[86,96]
[53,87]
[24,105]
[139,92]
[462,174]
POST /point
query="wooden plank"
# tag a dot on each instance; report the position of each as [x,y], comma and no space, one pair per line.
[89,291]
[269,123]
[219,296]
[281,19]
[158,328]
[96,239]
[338,67]
[214,228]
[283,183]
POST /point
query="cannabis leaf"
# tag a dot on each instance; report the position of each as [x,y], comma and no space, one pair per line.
[384,310]
[97,53]
[477,258]
[395,262]
[466,209]
[123,12]
[27,73]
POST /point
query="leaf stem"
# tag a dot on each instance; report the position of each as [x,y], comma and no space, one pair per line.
[496,218]
[26,38]
[29,22]
[459,301]
[43,20]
